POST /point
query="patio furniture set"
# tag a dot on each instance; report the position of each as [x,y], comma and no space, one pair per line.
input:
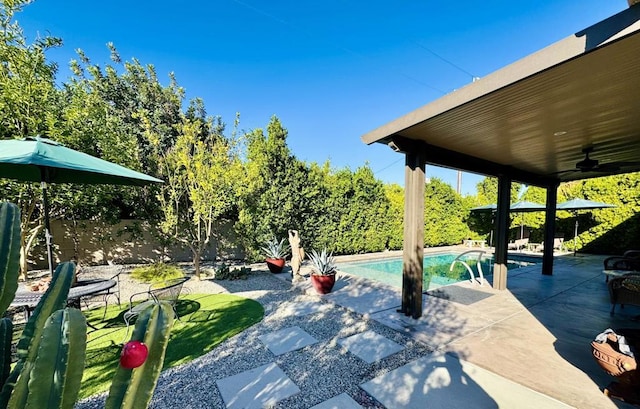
[27,299]
[87,292]
[622,274]
[614,350]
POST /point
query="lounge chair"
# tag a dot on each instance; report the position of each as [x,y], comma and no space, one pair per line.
[167,291]
[558,244]
[518,244]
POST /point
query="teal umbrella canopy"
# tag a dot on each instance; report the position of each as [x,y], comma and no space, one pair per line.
[486,208]
[36,159]
[582,204]
[525,206]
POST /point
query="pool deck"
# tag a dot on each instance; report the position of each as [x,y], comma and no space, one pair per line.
[535,336]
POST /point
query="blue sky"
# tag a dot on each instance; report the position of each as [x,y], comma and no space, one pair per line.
[330,70]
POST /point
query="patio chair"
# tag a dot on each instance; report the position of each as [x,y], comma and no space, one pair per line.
[103,297]
[624,290]
[629,261]
[167,291]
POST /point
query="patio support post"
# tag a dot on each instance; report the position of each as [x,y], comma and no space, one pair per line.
[413,246]
[549,229]
[502,230]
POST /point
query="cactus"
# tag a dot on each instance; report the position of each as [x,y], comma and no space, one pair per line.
[16,388]
[9,267]
[6,338]
[133,388]
[9,253]
[52,379]
[51,349]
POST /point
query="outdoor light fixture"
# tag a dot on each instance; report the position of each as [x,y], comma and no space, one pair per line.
[393,146]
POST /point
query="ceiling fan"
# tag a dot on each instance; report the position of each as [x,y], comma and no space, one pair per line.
[589,164]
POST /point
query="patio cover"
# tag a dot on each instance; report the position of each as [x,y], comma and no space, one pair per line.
[527,122]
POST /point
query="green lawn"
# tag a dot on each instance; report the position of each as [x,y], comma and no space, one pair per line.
[205,321]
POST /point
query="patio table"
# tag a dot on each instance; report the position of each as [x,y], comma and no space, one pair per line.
[29,299]
[615,273]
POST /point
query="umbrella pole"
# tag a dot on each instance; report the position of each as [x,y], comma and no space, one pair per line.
[47,227]
[575,238]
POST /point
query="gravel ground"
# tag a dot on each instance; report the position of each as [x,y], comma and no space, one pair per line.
[321,371]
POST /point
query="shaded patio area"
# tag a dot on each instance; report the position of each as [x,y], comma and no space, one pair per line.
[536,334]
[535,121]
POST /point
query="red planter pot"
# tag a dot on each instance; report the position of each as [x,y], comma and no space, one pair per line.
[275,264]
[323,284]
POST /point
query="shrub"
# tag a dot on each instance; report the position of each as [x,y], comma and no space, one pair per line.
[157,272]
[223,272]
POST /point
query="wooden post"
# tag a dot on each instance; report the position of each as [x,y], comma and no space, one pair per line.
[502,233]
[413,247]
[549,229]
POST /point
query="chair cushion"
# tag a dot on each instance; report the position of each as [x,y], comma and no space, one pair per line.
[631,283]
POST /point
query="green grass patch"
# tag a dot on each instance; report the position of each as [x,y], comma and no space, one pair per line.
[206,320]
[156,272]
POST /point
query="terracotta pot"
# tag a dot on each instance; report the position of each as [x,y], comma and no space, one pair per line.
[323,283]
[275,265]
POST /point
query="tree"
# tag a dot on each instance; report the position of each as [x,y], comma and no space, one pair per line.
[201,173]
[395,232]
[488,191]
[444,214]
[358,212]
[609,231]
[27,92]
[26,78]
[280,192]
[532,220]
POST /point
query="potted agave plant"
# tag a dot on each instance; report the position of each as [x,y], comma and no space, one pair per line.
[323,274]
[275,252]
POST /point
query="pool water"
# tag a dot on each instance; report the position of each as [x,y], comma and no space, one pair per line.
[436,269]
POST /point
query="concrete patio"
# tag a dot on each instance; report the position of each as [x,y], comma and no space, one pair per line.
[536,335]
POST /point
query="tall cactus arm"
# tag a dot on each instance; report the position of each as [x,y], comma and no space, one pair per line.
[9,253]
[6,338]
[54,377]
[54,299]
[133,388]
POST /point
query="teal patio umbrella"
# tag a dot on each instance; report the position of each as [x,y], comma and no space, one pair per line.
[492,207]
[522,206]
[574,205]
[37,159]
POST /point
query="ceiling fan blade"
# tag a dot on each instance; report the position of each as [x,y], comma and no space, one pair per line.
[623,164]
[561,172]
[590,165]
[607,167]
[615,166]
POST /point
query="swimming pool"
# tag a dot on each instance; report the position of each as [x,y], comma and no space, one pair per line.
[436,269]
